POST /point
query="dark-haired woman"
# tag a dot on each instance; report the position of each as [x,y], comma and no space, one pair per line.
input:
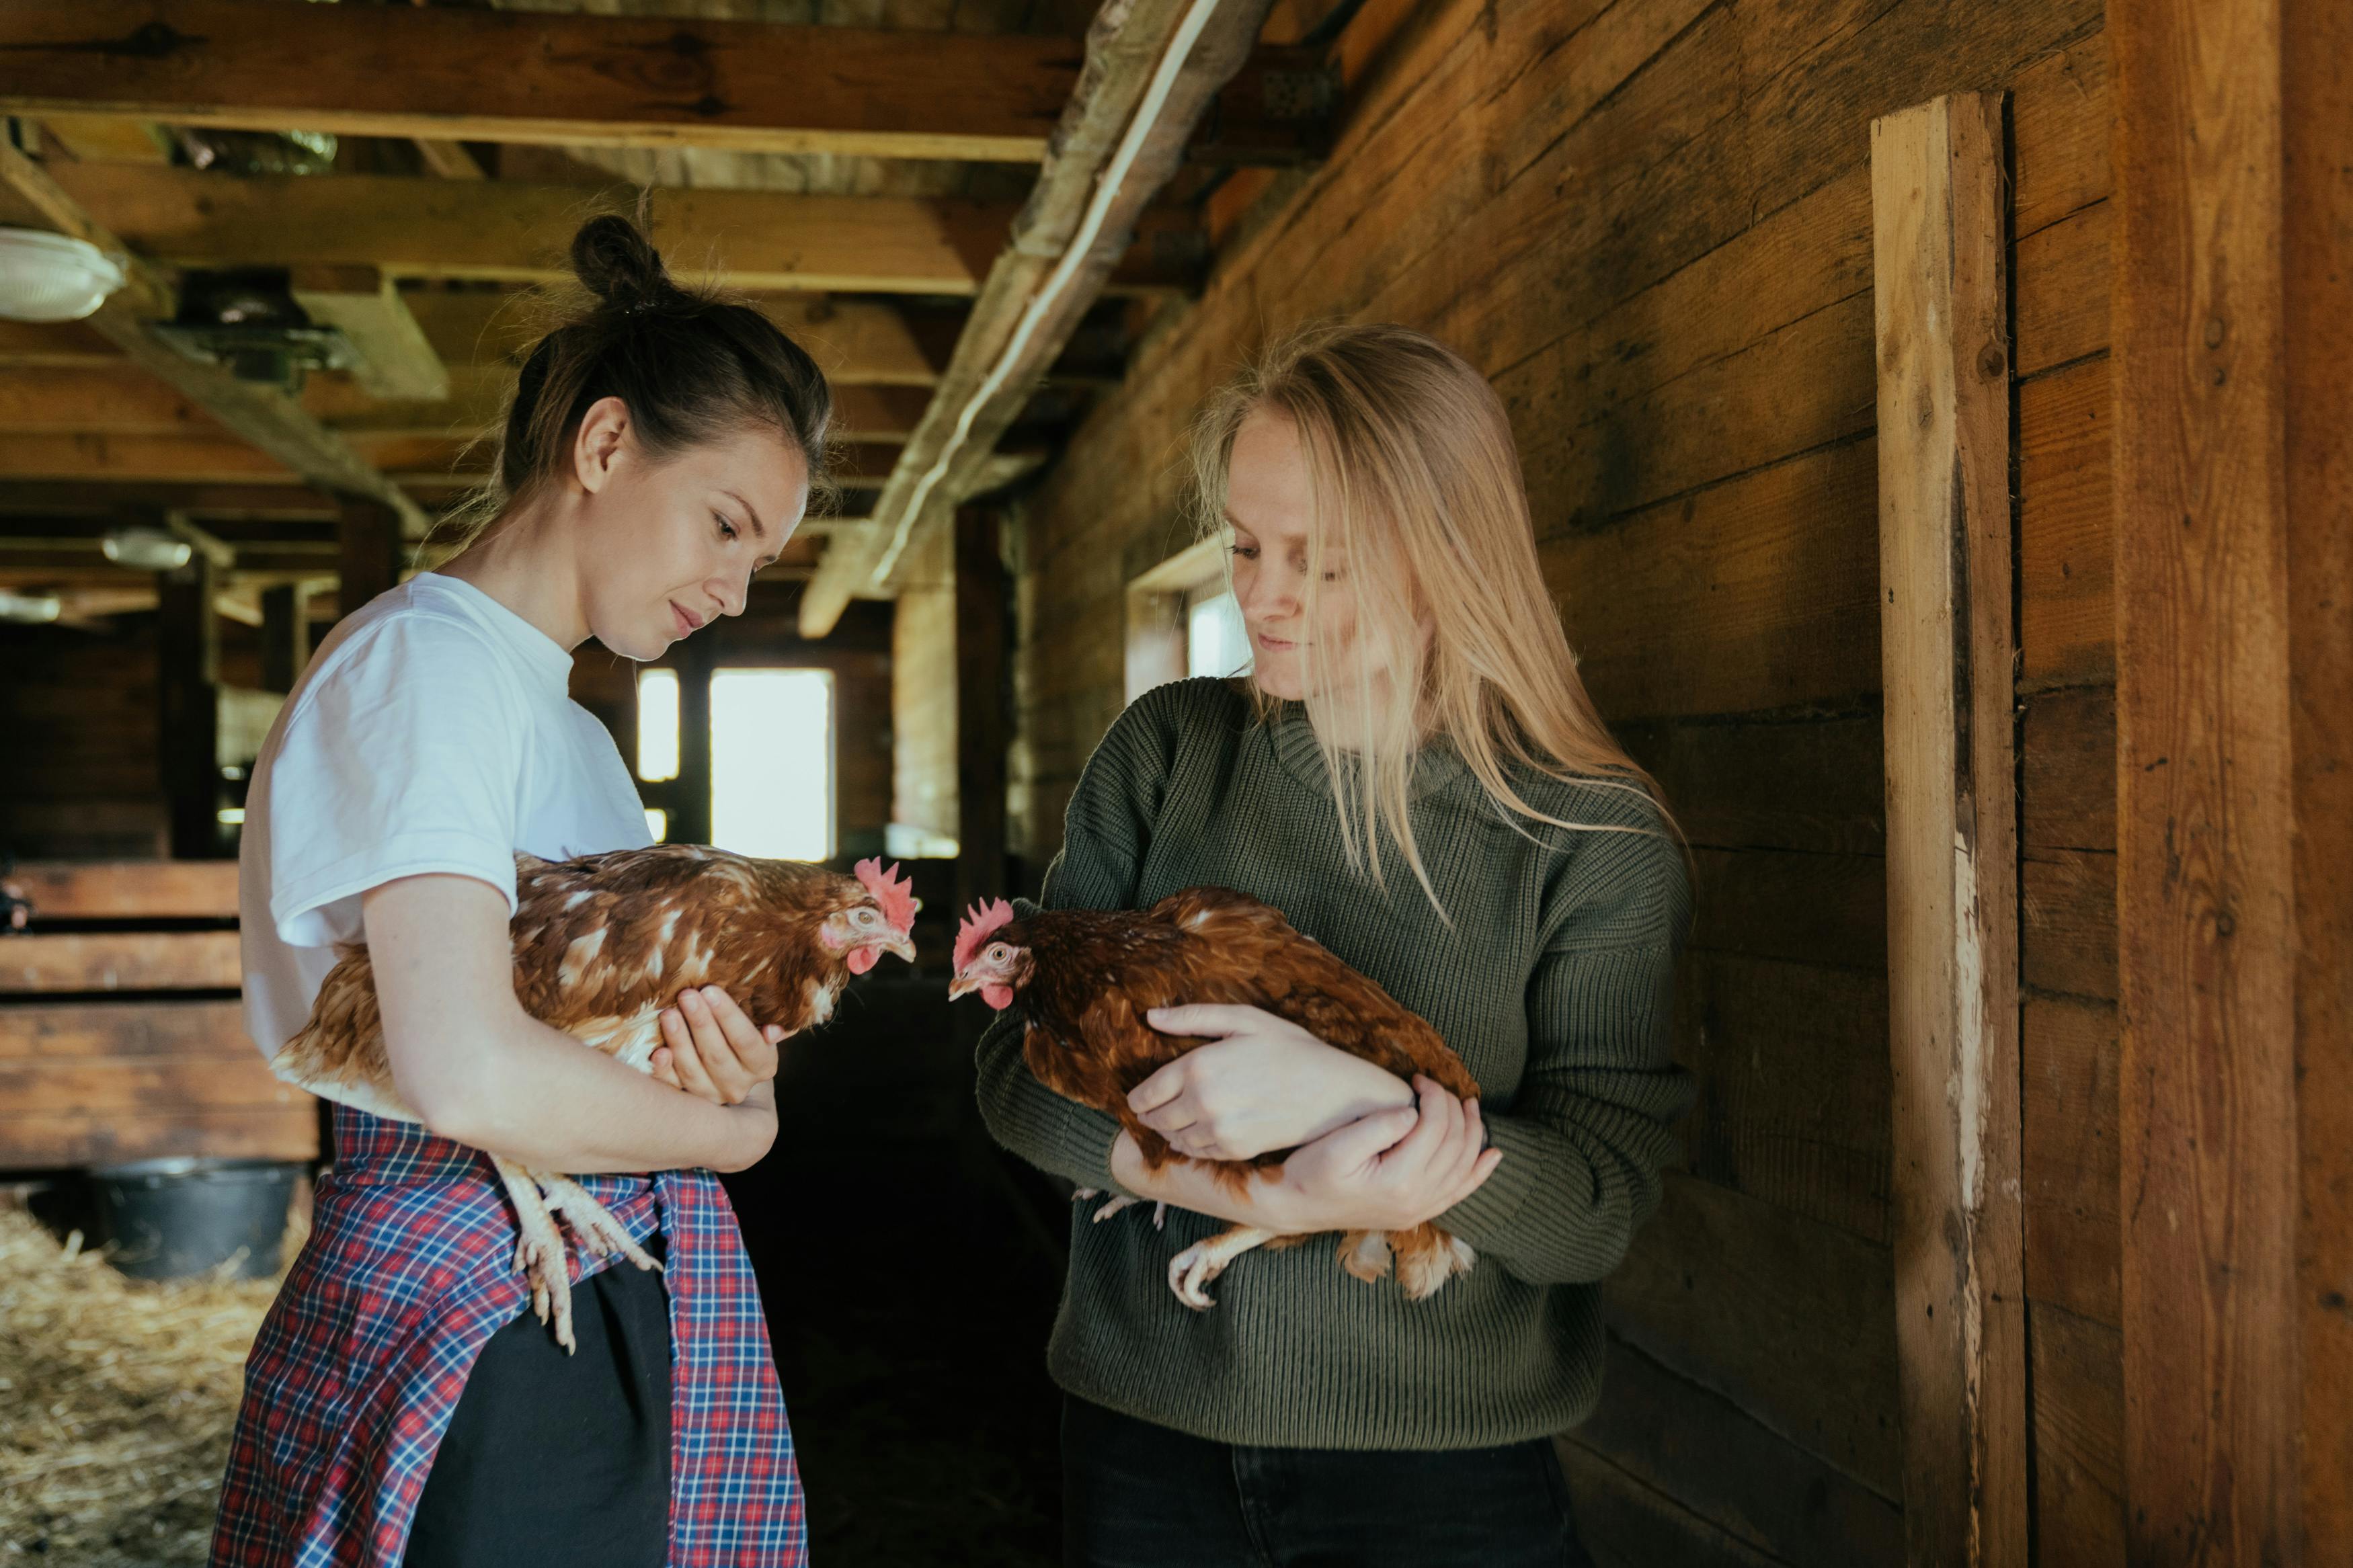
[401,1402]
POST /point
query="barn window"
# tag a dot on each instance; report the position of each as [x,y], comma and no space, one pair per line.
[1182,620]
[657,725]
[771,763]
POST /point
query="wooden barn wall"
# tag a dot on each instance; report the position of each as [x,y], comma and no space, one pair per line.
[1648,222]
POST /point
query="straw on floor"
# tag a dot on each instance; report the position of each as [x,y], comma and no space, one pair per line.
[116,1399]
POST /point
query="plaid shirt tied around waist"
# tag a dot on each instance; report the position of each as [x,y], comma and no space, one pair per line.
[410,1269]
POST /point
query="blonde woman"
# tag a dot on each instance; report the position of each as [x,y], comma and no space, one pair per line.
[1413,772]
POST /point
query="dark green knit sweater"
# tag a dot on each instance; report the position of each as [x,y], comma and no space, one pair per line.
[1554,986]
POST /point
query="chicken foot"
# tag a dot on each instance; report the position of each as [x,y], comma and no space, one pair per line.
[592,1222]
[1119,1204]
[539,1251]
[1192,1269]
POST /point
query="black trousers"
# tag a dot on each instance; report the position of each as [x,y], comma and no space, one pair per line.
[555,1458]
[1136,1495]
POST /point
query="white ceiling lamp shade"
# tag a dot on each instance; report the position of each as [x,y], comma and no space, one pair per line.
[29,609]
[146,549]
[53,277]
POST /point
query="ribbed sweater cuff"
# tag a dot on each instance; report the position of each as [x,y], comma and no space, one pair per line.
[1495,1219]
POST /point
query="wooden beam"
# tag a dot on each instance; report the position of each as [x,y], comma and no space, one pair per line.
[2317,110]
[188,680]
[120,961]
[1011,338]
[858,343]
[983,728]
[110,138]
[372,556]
[1946,640]
[259,415]
[70,497]
[285,636]
[128,890]
[444,73]
[396,359]
[2207,853]
[500,230]
[447,159]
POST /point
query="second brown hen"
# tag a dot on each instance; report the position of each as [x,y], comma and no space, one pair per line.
[1086,978]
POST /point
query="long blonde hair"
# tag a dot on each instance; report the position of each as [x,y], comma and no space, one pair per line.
[1416,482]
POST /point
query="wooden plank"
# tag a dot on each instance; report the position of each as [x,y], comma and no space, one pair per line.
[1694,1445]
[613,81]
[2066,558]
[238,1132]
[262,416]
[2067,769]
[188,689]
[2079,1421]
[59,345]
[509,231]
[120,961]
[1806,909]
[2063,275]
[2068,1099]
[1945,637]
[1791,781]
[2059,125]
[1792,1320]
[1623,1524]
[1792,1110]
[580,80]
[2205,819]
[110,138]
[123,1030]
[1757,593]
[103,1087]
[2318,209]
[1152,69]
[129,889]
[396,358]
[2067,919]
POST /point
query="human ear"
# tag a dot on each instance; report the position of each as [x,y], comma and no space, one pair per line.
[597,447]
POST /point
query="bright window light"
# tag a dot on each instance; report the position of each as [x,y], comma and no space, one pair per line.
[771,763]
[1216,643]
[657,823]
[657,725]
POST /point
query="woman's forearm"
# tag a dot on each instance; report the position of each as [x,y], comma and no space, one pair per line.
[1188,1184]
[535,1094]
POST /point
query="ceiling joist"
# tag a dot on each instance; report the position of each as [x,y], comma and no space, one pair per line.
[1153,67]
[272,422]
[493,229]
[443,74]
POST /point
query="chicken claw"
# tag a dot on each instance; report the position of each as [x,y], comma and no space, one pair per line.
[1192,1269]
[1119,1204]
[540,1253]
[592,1223]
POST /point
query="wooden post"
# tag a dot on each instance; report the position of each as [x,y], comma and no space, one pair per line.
[980,713]
[2316,104]
[285,636]
[187,671]
[2206,766]
[1945,568]
[370,552]
[690,794]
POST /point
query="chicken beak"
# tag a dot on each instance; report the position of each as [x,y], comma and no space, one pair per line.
[963,985]
[900,947]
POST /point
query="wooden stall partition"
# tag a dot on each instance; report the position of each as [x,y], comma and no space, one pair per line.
[1945,551]
[119,1042]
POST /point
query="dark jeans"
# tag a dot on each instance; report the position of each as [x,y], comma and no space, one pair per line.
[1136,1495]
[554,1458]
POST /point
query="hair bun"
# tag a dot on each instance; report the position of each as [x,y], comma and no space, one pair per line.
[615,262]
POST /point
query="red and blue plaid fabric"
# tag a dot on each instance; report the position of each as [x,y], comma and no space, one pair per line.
[408,1270]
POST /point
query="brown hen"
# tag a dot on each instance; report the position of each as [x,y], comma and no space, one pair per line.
[1086,978]
[602,945]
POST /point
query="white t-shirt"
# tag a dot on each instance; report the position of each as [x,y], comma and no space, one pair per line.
[433,731]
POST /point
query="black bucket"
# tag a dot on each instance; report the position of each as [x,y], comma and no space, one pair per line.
[167,1219]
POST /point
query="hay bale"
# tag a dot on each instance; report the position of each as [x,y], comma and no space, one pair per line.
[116,1400]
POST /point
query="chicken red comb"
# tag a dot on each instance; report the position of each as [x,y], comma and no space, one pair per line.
[978,921]
[895,893]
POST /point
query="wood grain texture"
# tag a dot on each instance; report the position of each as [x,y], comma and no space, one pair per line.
[2318,198]
[2207,936]
[120,961]
[2079,1420]
[49,1140]
[2068,1106]
[1945,639]
[128,888]
[515,232]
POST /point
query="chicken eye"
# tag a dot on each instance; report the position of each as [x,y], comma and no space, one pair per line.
[997,954]
[865,917]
